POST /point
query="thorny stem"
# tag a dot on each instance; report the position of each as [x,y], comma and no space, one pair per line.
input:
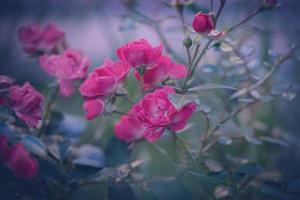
[267,76]
[200,175]
[222,5]
[47,111]
[255,12]
[156,26]
[196,60]
[211,5]
[224,120]
[194,66]
[185,148]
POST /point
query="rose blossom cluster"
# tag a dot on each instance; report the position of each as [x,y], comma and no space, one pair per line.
[139,55]
[65,64]
[154,113]
[25,101]
[17,159]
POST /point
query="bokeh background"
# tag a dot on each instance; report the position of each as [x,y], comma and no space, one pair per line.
[98,27]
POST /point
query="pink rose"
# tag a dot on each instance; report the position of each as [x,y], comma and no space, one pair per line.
[21,163]
[103,81]
[67,67]
[152,115]
[36,39]
[203,23]
[93,108]
[129,128]
[27,104]
[139,52]
[162,70]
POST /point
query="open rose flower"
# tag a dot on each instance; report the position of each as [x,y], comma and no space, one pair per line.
[103,81]
[139,53]
[152,116]
[70,66]
[129,128]
[20,162]
[27,104]
[162,70]
[36,39]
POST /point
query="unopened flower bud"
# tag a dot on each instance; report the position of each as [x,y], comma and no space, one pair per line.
[203,23]
[188,42]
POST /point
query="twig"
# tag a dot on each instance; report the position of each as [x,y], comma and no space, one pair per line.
[255,12]
[47,111]
[156,26]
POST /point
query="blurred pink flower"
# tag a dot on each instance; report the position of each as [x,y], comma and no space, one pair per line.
[67,67]
[20,162]
[152,115]
[36,39]
[162,70]
[203,23]
[139,53]
[27,104]
[102,81]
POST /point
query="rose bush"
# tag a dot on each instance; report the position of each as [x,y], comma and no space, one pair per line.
[149,91]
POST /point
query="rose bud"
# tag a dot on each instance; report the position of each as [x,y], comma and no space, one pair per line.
[269,4]
[203,23]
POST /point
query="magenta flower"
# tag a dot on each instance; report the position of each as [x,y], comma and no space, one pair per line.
[152,116]
[36,39]
[139,53]
[19,161]
[27,104]
[129,128]
[203,23]
[103,81]
[162,70]
[70,66]
[93,107]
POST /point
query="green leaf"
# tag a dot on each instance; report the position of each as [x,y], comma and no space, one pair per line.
[34,145]
[213,165]
[117,152]
[90,156]
[179,100]
[121,190]
[225,47]
[210,86]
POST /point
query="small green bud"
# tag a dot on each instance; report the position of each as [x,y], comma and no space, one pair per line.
[188,42]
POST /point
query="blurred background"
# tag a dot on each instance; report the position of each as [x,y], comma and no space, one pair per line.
[98,27]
